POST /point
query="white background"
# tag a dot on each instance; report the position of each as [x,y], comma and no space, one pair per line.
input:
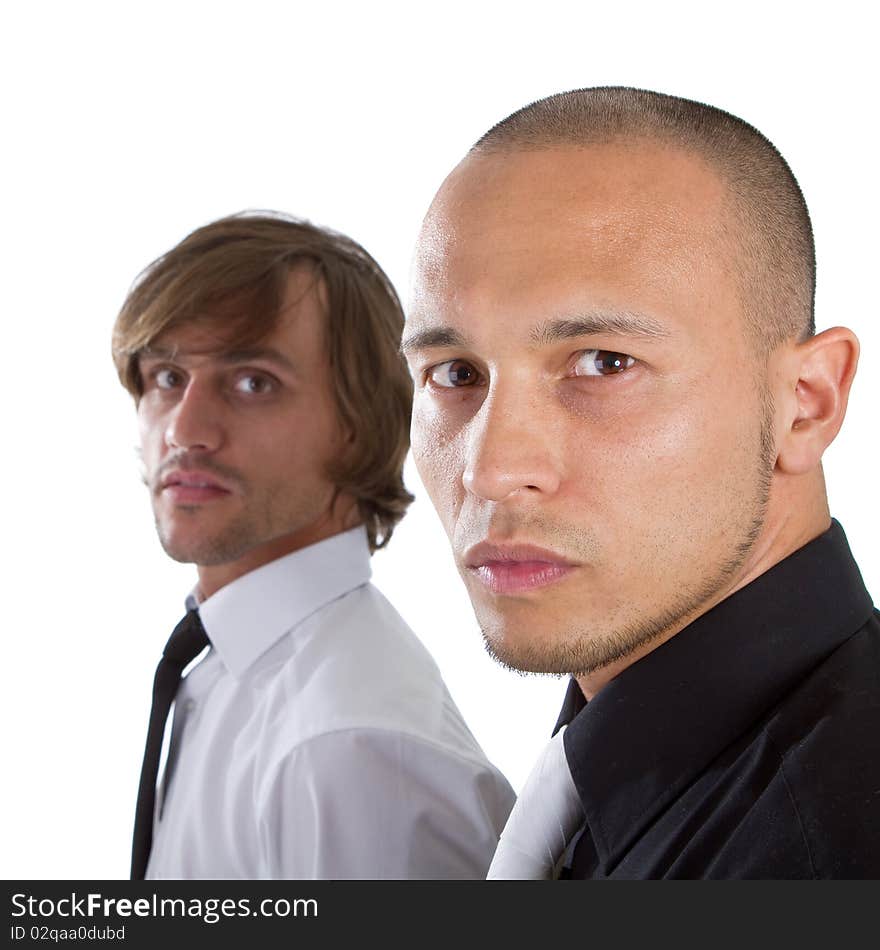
[126,125]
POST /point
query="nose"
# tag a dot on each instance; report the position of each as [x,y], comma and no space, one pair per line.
[194,423]
[511,449]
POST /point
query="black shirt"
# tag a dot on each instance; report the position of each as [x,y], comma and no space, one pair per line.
[746,746]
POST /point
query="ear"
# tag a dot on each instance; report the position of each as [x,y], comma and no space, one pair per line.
[820,375]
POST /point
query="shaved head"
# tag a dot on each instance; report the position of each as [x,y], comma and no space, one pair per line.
[619,410]
[767,221]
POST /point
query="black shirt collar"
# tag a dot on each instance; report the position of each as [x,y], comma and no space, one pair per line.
[660,722]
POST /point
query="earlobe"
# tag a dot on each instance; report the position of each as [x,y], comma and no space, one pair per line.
[823,371]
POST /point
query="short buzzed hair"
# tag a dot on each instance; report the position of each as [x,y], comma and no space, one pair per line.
[772,226]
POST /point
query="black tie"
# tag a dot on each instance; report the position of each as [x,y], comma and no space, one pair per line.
[184,645]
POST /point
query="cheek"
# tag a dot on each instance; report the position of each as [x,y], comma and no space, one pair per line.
[675,445]
[310,451]
[694,464]
[438,449]
[150,433]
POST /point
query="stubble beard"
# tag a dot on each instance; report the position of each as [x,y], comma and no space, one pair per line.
[258,523]
[221,548]
[580,652]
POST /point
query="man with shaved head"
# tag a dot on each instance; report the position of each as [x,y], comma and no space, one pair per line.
[621,405]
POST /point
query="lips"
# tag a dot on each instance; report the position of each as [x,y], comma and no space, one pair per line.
[516,568]
[192,487]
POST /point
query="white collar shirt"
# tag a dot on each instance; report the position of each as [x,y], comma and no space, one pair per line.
[316,739]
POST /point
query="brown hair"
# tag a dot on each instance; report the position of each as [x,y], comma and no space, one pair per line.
[235,270]
[773,234]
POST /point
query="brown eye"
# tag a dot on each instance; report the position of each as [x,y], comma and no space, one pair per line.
[167,378]
[453,374]
[602,363]
[254,384]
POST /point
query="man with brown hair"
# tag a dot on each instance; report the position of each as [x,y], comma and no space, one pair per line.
[316,738]
[620,410]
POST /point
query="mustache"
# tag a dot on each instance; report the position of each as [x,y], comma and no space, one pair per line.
[190,462]
[517,527]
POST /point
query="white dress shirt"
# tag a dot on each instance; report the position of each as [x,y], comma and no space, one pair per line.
[316,739]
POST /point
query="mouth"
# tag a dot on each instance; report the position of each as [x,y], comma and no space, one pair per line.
[516,568]
[192,487]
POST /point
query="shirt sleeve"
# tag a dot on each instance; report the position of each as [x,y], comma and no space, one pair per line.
[380,805]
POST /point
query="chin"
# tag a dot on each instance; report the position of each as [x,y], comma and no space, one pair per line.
[526,648]
[199,539]
[182,553]
[523,651]
[194,550]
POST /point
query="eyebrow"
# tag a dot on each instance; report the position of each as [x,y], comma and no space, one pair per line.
[431,338]
[617,323]
[265,354]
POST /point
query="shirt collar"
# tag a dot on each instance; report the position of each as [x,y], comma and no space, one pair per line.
[249,615]
[634,748]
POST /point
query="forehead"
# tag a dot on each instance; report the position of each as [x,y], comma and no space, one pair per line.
[639,226]
[233,325]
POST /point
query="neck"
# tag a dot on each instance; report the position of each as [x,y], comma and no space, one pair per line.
[212,577]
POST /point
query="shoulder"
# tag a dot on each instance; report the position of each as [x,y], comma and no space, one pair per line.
[828,736]
[368,803]
[361,762]
[355,667]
